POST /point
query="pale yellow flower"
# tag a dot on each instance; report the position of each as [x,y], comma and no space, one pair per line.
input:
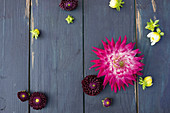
[148,81]
[154,37]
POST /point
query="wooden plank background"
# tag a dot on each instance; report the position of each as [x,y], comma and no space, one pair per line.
[157,98]
[14,54]
[56,57]
[101,21]
[56,63]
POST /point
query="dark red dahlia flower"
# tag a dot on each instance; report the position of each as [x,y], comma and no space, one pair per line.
[23,96]
[92,85]
[68,5]
[38,100]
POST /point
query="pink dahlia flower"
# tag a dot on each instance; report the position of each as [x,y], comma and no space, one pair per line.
[118,63]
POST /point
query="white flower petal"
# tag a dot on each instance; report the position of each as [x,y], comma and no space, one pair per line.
[150,34]
[153,43]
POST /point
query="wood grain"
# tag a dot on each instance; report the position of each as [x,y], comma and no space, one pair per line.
[56,57]
[101,21]
[14,55]
[155,99]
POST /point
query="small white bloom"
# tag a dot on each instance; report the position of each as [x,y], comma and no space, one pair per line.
[116,4]
[113,3]
[154,37]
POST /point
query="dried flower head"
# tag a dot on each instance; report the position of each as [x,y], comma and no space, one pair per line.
[23,96]
[68,5]
[92,85]
[38,100]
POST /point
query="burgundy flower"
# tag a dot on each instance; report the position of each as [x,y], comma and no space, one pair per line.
[38,100]
[23,96]
[106,102]
[92,85]
[68,5]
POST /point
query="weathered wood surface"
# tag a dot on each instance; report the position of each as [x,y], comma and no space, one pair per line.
[157,98]
[56,63]
[56,57]
[14,54]
[101,21]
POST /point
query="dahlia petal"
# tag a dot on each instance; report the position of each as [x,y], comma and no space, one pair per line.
[118,43]
[96,52]
[119,86]
[124,81]
[113,42]
[112,87]
[108,41]
[134,52]
[141,56]
[95,65]
[98,49]
[96,61]
[123,87]
[139,73]
[130,82]
[115,88]
[130,46]
[124,42]
[105,82]
[138,58]
[100,73]
[104,44]
[139,52]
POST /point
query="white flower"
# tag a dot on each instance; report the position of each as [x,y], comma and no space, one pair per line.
[116,4]
[154,37]
[113,3]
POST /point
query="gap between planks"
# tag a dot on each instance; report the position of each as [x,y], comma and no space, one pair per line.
[136,84]
[83,51]
[29,46]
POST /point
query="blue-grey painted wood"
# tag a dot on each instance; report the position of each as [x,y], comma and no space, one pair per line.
[56,57]
[155,99]
[101,21]
[14,54]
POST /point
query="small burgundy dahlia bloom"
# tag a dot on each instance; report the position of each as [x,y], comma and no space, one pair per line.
[38,100]
[92,85]
[68,5]
[118,63]
[23,96]
[106,102]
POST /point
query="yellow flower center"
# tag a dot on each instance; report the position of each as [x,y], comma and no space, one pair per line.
[93,85]
[37,100]
[152,38]
[69,4]
[107,102]
[23,96]
[121,63]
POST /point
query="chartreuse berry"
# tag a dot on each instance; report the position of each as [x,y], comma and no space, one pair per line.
[69,19]
[146,82]
[152,25]
[35,33]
